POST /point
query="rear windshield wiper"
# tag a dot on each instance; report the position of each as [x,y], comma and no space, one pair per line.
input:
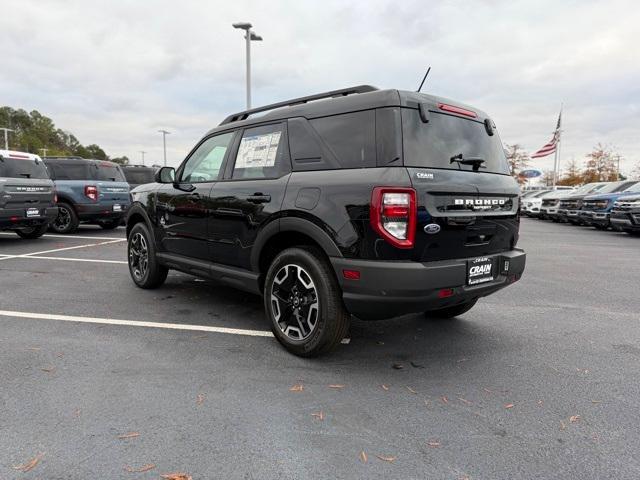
[476,163]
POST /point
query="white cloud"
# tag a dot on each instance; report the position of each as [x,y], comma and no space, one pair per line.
[116,72]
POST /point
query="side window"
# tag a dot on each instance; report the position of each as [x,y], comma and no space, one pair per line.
[350,136]
[204,164]
[262,153]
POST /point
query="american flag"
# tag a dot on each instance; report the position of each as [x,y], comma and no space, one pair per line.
[550,147]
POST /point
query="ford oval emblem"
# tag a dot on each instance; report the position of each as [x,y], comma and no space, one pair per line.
[432,228]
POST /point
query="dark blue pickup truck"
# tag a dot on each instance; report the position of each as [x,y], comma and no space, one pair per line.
[89,191]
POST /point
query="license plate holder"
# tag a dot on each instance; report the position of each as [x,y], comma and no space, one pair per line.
[480,270]
[33,212]
[117,207]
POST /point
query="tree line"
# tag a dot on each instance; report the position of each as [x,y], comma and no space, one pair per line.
[34,132]
[602,164]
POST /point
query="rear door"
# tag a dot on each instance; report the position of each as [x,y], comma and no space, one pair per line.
[184,208]
[251,192]
[459,170]
[25,187]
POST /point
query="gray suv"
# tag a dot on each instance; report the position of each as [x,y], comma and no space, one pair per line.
[27,195]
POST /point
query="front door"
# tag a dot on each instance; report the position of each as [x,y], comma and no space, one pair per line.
[251,192]
[184,208]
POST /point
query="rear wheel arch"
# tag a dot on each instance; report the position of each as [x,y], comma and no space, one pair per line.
[137,215]
[286,233]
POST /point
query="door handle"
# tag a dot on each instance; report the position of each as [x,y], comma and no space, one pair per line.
[195,196]
[258,198]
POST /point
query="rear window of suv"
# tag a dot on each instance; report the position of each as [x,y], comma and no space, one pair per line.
[433,144]
[22,168]
[139,176]
[109,172]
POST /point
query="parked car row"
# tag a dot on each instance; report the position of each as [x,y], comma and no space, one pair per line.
[59,193]
[602,205]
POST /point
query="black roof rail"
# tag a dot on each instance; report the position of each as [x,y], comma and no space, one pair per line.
[297,101]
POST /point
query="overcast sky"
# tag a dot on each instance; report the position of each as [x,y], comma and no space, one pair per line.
[113,74]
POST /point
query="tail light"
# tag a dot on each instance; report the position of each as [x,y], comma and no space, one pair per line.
[91,191]
[393,215]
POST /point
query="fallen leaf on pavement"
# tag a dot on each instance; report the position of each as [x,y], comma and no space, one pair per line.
[444,399]
[77,412]
[34,349]
[336,386]
[434,443]
[387,459]
[596,401]
[397,366]
[30,465]
[129,435]
[363,457]
[464,400]
[176,476]
[574,418]
[540,403]
[60,354]
[487,390]
[411,390]
[144,468]
[384,387]
[48,369]
[509,405]
[562,425]
[416,365]
[200,399]
[319,415]
[297,388]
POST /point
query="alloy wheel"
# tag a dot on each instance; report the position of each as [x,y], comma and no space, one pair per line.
[294,302]
[138,256]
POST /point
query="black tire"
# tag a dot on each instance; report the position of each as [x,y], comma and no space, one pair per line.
[32,233]
[451,312]
[66,221]
[145,272]
[313,289]
[111,225]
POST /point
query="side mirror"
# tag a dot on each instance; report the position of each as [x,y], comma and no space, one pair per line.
[488,126]
[165,175]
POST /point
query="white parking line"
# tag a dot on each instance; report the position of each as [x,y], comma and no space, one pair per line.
[81,237]
[63,259]
[135,323]
[63,249]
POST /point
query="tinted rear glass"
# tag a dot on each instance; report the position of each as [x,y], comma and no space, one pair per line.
[22,168]
[138,177]
[350,136]
[433,144]
[69,170]
[109,173]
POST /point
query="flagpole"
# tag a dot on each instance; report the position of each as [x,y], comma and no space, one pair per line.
[557,160]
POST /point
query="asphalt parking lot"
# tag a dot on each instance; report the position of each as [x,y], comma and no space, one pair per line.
[541,380]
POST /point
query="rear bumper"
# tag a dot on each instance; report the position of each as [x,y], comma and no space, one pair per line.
[389,289]
[95,212]
[15,219]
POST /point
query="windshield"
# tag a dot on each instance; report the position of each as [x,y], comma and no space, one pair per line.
[139,176]
[634,188]
[109,172]
[433,144]
[22,168]
[611,187]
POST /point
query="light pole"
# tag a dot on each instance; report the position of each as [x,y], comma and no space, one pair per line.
[164,144]
[6,140]
[142,152]
[249,36]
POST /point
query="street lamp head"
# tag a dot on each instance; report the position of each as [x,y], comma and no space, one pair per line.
[256,38]
[242,25]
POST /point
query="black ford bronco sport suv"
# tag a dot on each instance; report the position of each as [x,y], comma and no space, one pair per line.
[360,201]
[27,194]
